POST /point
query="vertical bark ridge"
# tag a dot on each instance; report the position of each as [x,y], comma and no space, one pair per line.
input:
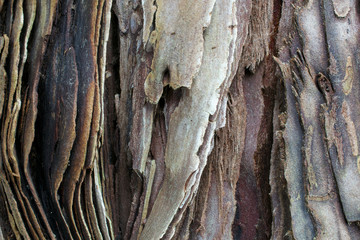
[12,106]
[316,100]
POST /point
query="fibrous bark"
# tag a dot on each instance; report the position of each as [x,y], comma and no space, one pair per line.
[174,119]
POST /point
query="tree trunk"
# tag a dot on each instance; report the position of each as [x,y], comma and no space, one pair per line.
[169,119]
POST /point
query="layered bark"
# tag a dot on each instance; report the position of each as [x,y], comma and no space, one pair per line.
[179,119]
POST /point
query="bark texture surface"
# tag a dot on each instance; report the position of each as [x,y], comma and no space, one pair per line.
[169,119]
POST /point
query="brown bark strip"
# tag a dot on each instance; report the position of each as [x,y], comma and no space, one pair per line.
[42,32]
[80,214]
[129,71]
[99,183]
[12,109]
[90,208]
[16,221]
[4,43]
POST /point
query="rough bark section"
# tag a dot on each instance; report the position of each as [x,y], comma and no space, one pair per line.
[183,171]
[119,79]
[259,35]
[109,151]
[173,128]
[135,121]
[281,227]
[342,33]
[215,203]
[291,191]
[215,206]
[252,218]
[250,207]
[317,81]
[18,205]
[33,178]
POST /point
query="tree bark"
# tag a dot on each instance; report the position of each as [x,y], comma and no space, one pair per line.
[169,119]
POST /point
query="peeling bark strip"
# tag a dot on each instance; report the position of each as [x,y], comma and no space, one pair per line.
[169,119]
[183,156]
[40,182]
[178,37]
